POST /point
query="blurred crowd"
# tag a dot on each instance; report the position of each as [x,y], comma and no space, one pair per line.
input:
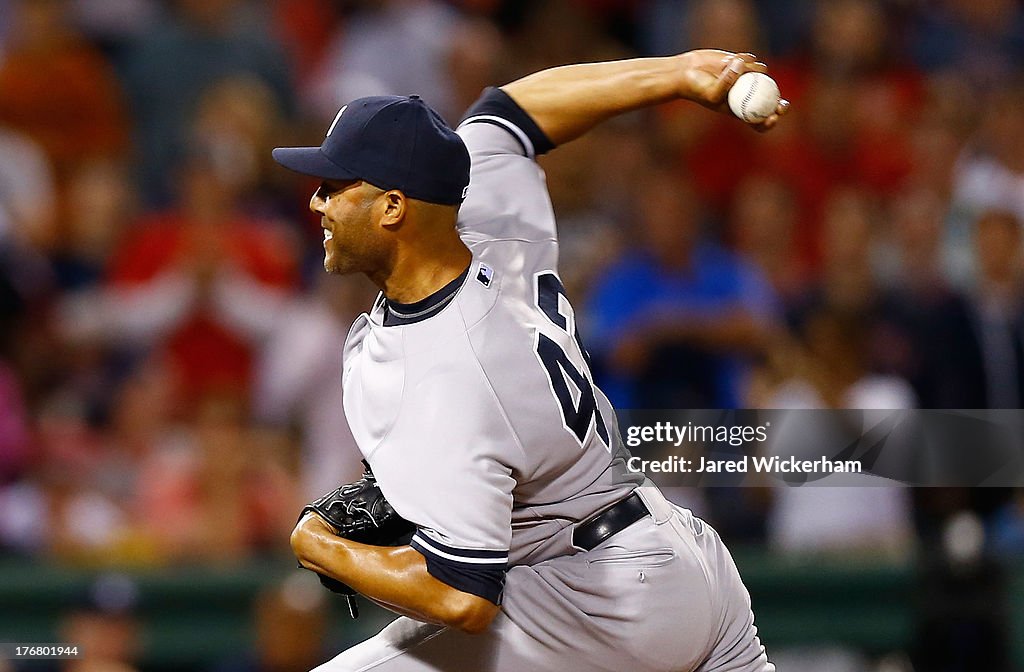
[170,348]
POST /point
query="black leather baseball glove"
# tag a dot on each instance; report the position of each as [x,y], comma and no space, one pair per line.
[359,511]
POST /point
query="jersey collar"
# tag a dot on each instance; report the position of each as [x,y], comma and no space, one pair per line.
[396,314]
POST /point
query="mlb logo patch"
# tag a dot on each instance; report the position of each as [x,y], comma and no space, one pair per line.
[484,275]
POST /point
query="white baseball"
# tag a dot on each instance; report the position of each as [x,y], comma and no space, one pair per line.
[754,97]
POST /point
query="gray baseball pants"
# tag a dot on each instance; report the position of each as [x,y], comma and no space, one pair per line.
[663,595]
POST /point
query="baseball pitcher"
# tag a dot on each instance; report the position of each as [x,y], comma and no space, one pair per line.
[526,544]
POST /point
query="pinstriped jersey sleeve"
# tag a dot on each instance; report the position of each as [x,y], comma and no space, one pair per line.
[447,466]
[507,196]
[496,108]
[460,492]
[479,572]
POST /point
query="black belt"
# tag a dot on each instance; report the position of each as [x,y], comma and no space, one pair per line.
[617,517]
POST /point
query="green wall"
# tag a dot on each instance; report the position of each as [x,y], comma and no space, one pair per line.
[195,616]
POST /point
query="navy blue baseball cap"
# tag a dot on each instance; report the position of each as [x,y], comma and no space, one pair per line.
[392,142]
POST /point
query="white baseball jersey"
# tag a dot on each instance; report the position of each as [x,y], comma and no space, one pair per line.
[475,407]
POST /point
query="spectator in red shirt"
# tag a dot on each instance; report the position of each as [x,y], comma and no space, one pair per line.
[56,88]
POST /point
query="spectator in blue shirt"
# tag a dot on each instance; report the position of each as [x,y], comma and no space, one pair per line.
[679,316]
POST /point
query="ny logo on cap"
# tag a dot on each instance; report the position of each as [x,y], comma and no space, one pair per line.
[336,118]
